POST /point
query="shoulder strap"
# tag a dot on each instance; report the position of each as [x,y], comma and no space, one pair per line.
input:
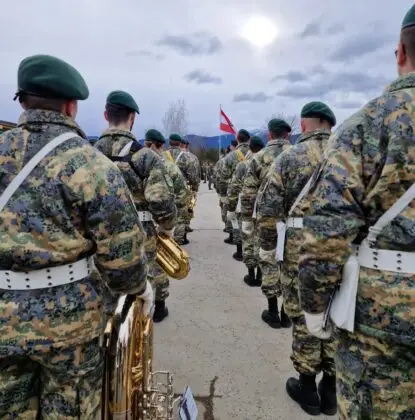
[240,155]
[179,156]
[391,213]
[126,149]
[302,194]
[28,168]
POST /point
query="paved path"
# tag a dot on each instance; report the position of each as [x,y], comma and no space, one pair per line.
[214,339]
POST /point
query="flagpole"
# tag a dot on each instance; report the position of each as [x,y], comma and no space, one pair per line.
[220,134]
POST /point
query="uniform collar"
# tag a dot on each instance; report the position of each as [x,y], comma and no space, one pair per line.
[316,134]
[42,116]
[116,132]
[274,142]
[402,82]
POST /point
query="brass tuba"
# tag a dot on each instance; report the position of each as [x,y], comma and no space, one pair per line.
[171,257]
[131,390]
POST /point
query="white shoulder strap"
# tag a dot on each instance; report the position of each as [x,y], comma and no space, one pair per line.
[179,156]
[126,149]
[302,194]
[28,168]
[391,213]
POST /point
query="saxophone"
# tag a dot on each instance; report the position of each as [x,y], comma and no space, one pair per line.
[131,390]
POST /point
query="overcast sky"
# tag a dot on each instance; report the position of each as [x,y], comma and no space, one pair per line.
[339,51]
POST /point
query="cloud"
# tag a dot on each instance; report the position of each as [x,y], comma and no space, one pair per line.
[202,77]
[312,29]
[291,76]
[144,53]
[335,29]
[252,97]
[346,81]
[349,104]
[199,43]
[360,45]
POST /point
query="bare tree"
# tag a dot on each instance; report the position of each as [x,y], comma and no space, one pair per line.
[175,118]
[292,120]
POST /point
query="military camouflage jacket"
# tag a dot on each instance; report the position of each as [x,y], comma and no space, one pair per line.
[187,166]
[75,203]
[146,176]
[235,186]
[279,190]
[257,169]
[196,167]
[180,188]
[370,163]
[216,169]
[227,169]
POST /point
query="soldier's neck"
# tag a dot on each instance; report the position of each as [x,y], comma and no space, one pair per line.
[122,127]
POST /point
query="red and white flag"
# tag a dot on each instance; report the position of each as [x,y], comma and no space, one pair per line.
[225,124]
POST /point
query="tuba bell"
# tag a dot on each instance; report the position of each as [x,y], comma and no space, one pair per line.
[131,390]
[171,257]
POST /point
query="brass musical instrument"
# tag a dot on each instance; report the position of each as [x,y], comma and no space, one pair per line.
[171,257]
[131,390]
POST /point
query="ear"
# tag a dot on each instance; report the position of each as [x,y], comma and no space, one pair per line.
[106,116]
[71,109]
[401,55]
[132,120]
[303,126]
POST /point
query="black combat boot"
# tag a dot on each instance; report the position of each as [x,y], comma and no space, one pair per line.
[160,311]
[229,240]
[270,316]
[304,392]
[183,241]
[285,319]
[258,276]
[327,392]
[238,256]
[249,279]
[189,229]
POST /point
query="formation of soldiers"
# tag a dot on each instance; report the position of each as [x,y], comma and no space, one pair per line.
[335,209]
[79,228]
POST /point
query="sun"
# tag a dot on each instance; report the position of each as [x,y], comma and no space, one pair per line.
[259,31]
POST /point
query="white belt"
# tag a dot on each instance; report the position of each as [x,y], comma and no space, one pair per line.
[386,260]
[295,223]
[46,277]
[145,216]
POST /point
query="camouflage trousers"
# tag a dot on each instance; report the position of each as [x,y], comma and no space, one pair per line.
[271,286]
[375,378]
[156,276]
[189,214]
[250,247]
[51,362]
[180,229]
[223,212]
[237,233]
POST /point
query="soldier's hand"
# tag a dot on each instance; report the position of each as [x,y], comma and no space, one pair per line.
[316,327]
[267,256]
[148,298]
[247,227]
[168,232]
[230,216]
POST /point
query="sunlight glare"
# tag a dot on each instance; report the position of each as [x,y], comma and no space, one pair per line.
[259,31]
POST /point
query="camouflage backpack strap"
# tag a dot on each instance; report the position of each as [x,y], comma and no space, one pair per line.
[33,162]
[179,156]
[240,155]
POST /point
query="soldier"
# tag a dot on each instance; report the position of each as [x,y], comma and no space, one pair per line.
[149,183]
[369,166]
[250,251]
[288,175]
[184,161]
[71,206]
[196,168]
[268,271]
[209,172]
[228,168]
[155,141]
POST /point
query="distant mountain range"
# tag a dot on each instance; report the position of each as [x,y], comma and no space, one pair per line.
[213,142]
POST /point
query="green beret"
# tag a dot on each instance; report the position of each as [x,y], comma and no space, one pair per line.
[409,19]
[256,141]
[318,110]
[122,99]
[277,124]
[154,136]
[50,77]
[176,137]
[244,133]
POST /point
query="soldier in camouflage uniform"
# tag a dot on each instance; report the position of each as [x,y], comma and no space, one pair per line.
[227,170]
[369,165]
[288,175]
[149,183]
[184,161]
[73,205]
[197,169]
[249,252]
[268,271]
